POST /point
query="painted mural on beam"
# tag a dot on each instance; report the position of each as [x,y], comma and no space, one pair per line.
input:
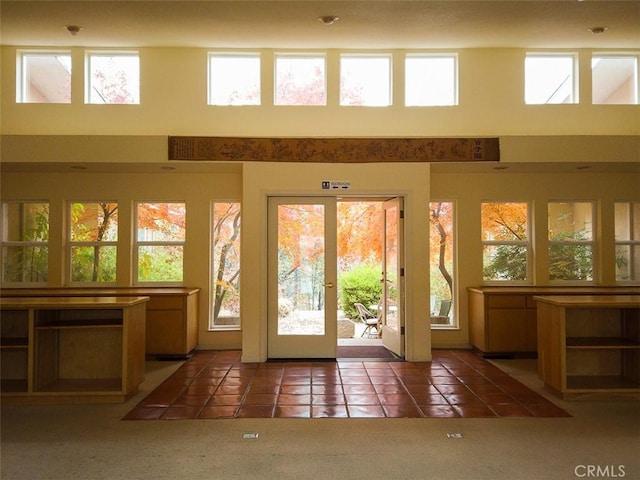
[333,150]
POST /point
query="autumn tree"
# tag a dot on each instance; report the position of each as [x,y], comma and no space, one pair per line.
[504,236]
[161,230]
[26,222]
[301,254]
[441,244]
[360,238]
[360,227]
[93,223]
[226,257]
[293,90]
[301,246]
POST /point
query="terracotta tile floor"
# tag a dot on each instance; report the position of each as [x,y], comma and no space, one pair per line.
[215,384]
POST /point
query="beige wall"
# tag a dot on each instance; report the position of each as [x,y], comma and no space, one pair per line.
[468,191]
[174,95]
[197,190]
[411,181]
[116,141]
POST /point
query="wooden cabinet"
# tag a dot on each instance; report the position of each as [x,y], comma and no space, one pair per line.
[71,350]
[502,320]
[172,323]
[589,346]
[172,313]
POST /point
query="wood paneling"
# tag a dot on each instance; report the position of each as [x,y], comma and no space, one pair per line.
[334,150]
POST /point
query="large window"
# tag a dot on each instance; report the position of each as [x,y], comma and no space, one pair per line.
[442,264]
[365,80]
[550,78]
[25,242]
[571,245]
[226,265]
[112,78]
[300,80]
[93,242]
[43,77]
[160,241]
[614,79]
[505,241]
[234,79]
[431,80]
[627,227]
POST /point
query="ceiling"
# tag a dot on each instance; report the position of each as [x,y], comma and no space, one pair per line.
[294,24]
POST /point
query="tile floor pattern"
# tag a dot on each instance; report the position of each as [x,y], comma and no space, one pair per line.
[215,384]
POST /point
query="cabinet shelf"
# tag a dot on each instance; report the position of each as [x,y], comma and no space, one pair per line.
[69,326]
[11,343]
[91,385]
[589,346]
[600,343]
[14,385]
[600,382]
[71,350]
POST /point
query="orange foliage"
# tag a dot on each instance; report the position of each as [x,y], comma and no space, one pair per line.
[360,230]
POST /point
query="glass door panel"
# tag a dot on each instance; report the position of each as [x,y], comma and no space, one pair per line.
[392,289]
[302,274]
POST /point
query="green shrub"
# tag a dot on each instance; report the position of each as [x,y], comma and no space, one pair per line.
[361,284]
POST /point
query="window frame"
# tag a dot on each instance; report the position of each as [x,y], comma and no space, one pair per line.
[575,84]
[453,314]
[22,244]
[612,55]
[88,77]
[76,243]
[21,76]
[592,243]
[441,55]
[212,326]
[136,244]
[372,55]
[630,242]
[528,244]
[301,56]
[230,55]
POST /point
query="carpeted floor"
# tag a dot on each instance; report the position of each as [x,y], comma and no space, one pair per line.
[215,384]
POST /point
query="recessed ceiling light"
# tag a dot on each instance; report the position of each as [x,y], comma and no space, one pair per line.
[598,30]
[329,19]
[73,29]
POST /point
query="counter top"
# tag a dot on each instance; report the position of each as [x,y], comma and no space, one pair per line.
[588,301]
[556,290]
[95,291]
[70,302]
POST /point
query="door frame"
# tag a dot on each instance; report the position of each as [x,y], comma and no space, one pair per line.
[393,337]
[259,180]
[292,345]
[306,344]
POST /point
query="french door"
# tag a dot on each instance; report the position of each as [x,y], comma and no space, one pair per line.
[302,274]
[302,277]
[393,278]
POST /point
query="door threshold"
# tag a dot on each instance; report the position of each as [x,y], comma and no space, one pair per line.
[369,360]
[289,360]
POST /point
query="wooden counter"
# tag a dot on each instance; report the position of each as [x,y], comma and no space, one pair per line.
[172,313]
[589,345]
[502,319]
[70,349]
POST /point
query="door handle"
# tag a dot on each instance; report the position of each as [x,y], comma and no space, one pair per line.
[329,285]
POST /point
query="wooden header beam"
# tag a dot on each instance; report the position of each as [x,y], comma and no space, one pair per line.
[334,150]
